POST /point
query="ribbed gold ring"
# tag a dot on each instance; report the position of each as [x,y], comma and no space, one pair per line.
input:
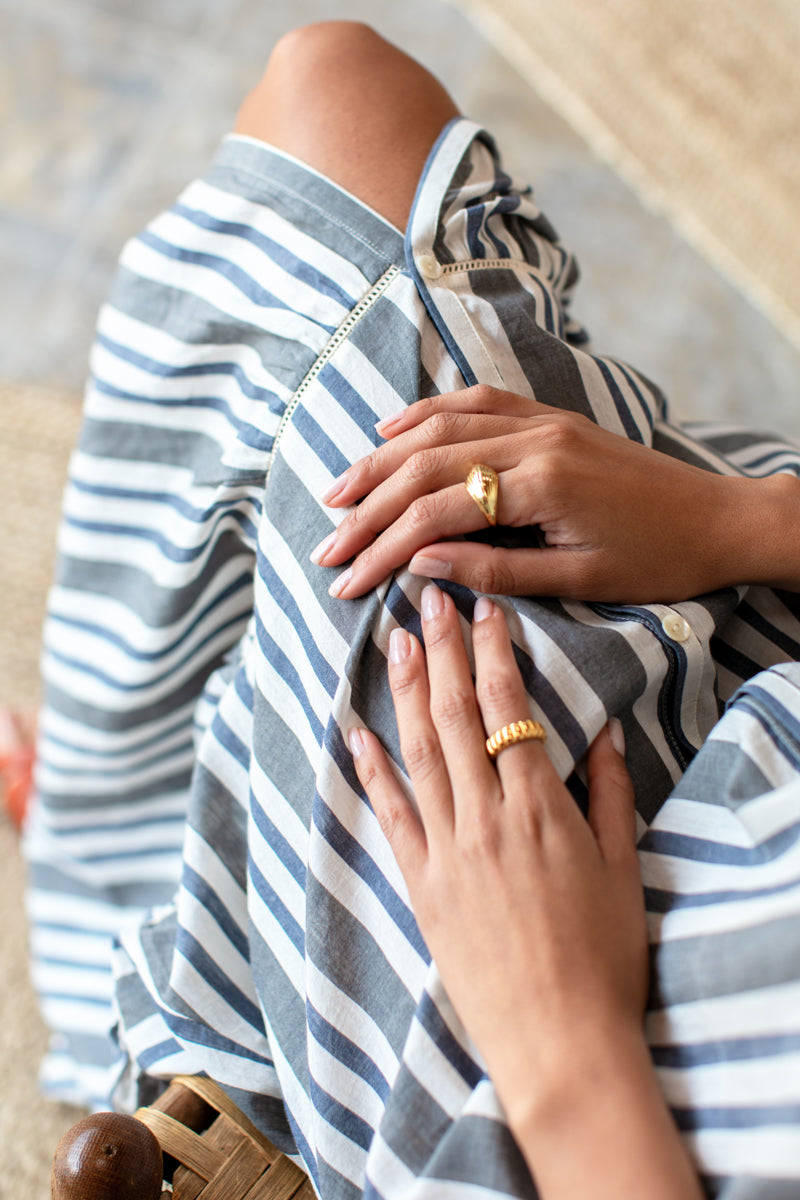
[517,731]
[483,486]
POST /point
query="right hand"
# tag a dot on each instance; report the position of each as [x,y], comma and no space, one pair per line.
[620,522]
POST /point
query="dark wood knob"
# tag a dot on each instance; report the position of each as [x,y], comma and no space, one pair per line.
[108,1156]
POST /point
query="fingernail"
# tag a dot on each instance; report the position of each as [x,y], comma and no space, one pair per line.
[483,609]
[340,583]
[616,735]
[432,602]
[319,552]
[430,568]
[386,422]
[332,492]
[399,645]
[356,743]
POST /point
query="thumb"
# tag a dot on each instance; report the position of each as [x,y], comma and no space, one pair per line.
[498,571]
[612,815]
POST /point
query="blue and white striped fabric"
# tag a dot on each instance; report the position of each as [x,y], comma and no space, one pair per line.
[197,804]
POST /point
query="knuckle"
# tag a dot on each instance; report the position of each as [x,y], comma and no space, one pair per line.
[404,681]
[390,819]
[421,755]
[438,426]
[493,576]
[452,712]
[500,690]
[421,512]
[420,464]
[485,395]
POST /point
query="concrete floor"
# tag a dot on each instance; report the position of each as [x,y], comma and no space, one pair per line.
[109,107]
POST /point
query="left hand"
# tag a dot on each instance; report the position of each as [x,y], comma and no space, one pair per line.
[533,915]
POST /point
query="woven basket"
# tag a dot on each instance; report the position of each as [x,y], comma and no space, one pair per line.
[210,1149]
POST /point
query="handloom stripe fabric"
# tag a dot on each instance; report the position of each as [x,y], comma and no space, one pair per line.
[199,825]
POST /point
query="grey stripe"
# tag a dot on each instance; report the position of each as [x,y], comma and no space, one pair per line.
[724,964]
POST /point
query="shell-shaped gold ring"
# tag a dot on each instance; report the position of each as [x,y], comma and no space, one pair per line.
[483,486]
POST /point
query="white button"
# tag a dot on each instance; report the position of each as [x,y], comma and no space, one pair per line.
[429,266]
[676,628]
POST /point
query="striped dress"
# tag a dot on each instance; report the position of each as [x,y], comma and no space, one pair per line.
[210,891]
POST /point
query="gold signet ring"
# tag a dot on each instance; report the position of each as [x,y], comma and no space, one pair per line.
[517,731]
[483,486]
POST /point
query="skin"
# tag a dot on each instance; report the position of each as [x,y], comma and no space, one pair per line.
[619,521]
[309,106]
[503,870]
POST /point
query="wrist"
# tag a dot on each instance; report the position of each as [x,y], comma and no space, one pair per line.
[600,1126]
[768,515]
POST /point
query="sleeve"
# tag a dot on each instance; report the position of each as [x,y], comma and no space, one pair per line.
[721,869]
[153,589]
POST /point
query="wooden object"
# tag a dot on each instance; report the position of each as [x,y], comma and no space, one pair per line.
[216,1152]
[109,1156]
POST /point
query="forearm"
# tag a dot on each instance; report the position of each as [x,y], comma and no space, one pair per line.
[601,1128]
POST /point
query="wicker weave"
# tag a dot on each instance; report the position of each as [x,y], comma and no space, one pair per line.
[228,1158]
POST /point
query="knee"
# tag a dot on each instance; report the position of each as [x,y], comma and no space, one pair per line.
[340,97]
[337,45]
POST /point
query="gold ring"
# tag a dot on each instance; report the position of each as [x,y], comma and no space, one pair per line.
[517,731]
[483,486]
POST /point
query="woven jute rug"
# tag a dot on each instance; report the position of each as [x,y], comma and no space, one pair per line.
[38,428]
[697,104]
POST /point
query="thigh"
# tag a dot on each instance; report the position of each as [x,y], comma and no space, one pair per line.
[342,99]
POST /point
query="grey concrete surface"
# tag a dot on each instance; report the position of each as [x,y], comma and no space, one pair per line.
[111,106]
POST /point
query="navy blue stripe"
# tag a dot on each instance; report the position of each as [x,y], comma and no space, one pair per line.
[199,887]
[234,370]
[273,902]
[696,849]
[353,853]
[298,268]
[282,849]
[194,655]
[658,901]
[701,1054]
[354,404]
[241,586]
[341,1118]
[233,273]
[154,1054]
[757,621]
[287,672]
[436,1027]
[744,1117]
[201,961]
[196,1033]
[323,670]
[347,1052]
[623,410]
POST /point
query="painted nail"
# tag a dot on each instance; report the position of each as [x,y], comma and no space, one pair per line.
[616,735]
[430,568]
[340,583]
[356,743]
[334,489]
[319,552]
[432,602]
[387,422]
[483,609]
[399,645]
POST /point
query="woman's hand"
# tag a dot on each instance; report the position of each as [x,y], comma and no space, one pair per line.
[533,915]
[618,521]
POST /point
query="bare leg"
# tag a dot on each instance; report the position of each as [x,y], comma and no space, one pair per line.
[340,98]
